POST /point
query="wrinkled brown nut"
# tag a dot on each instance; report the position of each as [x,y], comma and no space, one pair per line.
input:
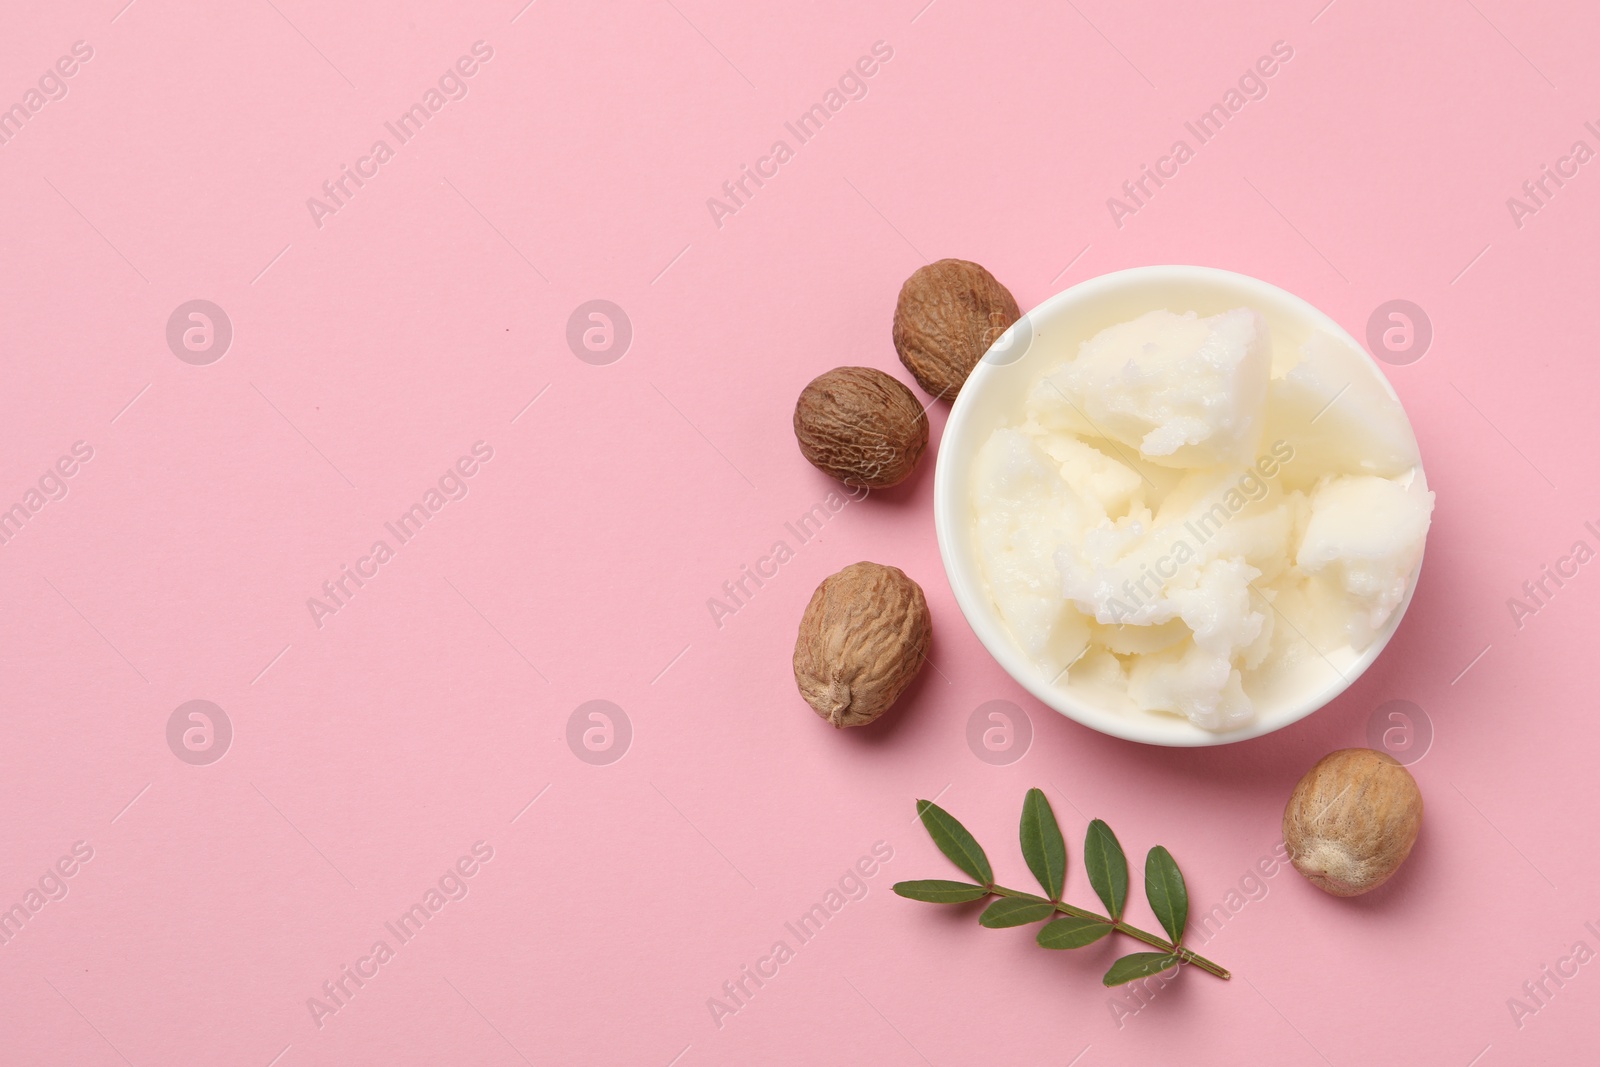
[1351,821]
[948,315]
[862,639]
[860,426]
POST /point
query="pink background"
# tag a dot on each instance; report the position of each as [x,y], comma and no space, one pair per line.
[369,354]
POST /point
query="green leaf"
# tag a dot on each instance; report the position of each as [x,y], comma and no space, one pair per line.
[1015,911]
[939,891]
[1139,965]
[1169,897]
[954,841]
[1042,845]
[1108,867]
[1072,932]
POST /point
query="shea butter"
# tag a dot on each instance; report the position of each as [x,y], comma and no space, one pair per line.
[1167,523]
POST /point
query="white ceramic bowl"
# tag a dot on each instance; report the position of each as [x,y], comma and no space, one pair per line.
[994,396]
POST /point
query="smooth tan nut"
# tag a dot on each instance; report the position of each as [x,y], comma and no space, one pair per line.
[860,426]
[1351,821]
[863,637]
[948,315]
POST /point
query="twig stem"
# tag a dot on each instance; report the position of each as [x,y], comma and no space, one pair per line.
[1121,927]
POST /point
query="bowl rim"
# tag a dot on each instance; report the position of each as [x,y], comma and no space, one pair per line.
[972,596]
